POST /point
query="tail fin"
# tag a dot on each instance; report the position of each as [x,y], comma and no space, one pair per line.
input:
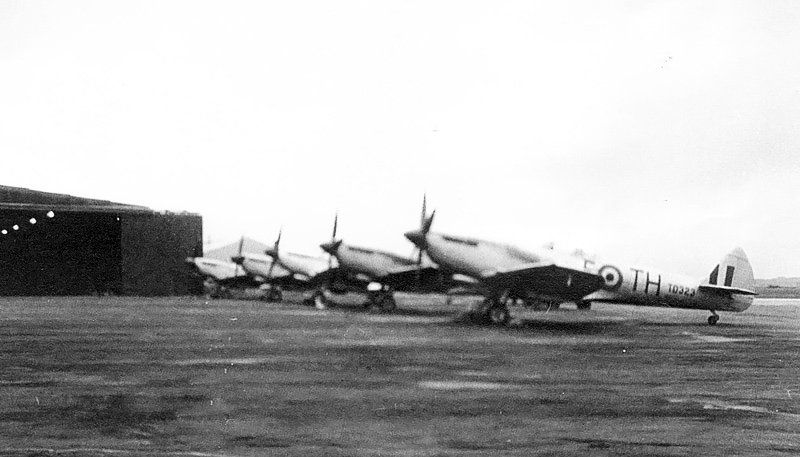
[733,276]
[733,271]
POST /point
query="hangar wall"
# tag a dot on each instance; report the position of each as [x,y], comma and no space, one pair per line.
[153,251]
[71,254]
[91,247]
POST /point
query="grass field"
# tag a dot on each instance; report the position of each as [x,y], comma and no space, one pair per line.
[187,376]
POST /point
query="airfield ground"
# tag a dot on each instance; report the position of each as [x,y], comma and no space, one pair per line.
[187,376]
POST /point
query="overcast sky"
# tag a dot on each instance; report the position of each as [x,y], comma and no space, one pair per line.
[663,132]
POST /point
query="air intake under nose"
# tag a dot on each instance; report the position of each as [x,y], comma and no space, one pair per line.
[331,247]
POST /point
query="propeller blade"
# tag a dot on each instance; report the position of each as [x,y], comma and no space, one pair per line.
[269,272]
[241,246]
[424,212]
[426,227]
[333,238]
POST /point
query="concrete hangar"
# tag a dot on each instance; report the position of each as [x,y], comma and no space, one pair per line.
[56,244]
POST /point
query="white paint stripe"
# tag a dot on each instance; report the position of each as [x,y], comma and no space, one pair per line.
[467,385]
[723,405]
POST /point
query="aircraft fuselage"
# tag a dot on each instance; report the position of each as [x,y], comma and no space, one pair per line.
[627,285]
[213,268]
[259,265]
[369,262]
[303,265]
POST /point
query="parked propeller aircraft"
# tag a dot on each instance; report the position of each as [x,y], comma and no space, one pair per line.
[220,276]
[507,272]
[384,272]
[301,265]
[264,268]
[317,273]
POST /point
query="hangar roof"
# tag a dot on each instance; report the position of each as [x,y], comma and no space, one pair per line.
[21,198]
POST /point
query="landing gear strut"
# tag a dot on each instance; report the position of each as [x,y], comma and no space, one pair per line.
[318,299]
[713,318]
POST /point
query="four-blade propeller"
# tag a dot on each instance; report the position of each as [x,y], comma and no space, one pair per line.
[274,254]
[238,259]
[331,246]
[420,237]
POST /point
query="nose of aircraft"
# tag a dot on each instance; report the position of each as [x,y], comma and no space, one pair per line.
[331,246]
[416,237]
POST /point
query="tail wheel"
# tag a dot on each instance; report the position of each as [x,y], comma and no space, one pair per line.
[712,320]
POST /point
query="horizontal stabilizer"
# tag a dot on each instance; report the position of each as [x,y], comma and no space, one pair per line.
[723,290]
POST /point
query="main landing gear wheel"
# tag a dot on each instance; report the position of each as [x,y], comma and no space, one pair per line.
[388,304]
[712,319]
[499,314]
[274,294]
[382,301]
[584,305]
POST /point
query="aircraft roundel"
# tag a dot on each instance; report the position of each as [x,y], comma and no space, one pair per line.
[612,277]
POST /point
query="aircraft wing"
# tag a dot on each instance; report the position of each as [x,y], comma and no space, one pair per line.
[545,279]
[424,280]
[338,279]
[239,282]
[292,282]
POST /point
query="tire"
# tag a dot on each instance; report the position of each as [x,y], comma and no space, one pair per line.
[480,312]
[373,300]
[584,305]
[712,320]
[499,315]
[388,304]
